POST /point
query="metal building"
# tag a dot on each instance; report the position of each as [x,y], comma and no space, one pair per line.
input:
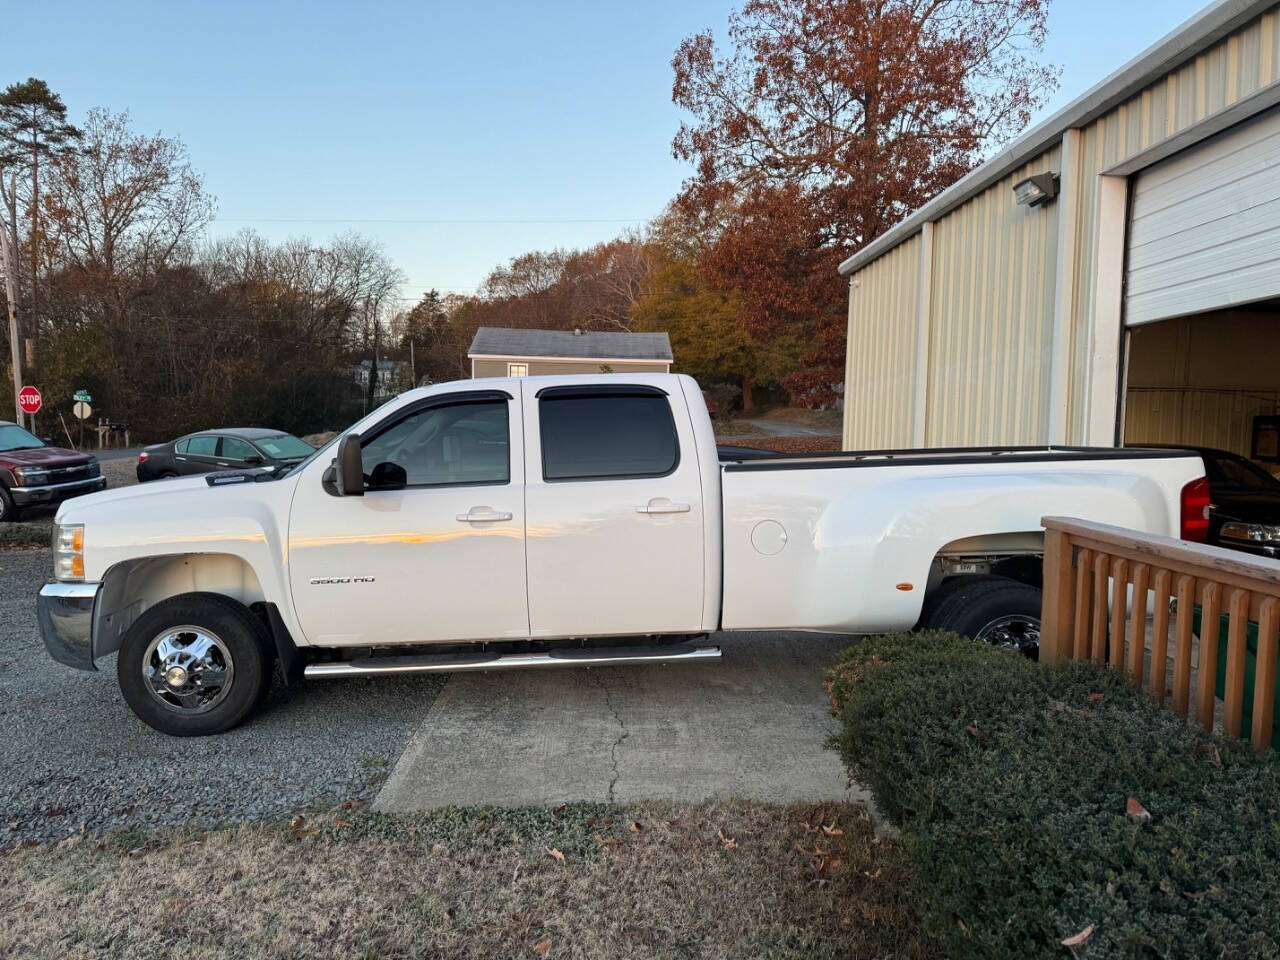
[1112,275]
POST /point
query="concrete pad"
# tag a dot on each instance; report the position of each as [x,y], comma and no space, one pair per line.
[753,724]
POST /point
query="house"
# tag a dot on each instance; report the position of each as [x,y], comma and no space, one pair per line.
[508,352]
[1113,275]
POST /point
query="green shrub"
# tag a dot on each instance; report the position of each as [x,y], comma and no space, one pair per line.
[1010,781]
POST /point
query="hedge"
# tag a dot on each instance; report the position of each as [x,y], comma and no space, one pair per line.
[1011,782]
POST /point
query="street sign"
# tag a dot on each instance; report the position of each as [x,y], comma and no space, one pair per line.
[29,400]
[82,410]
[82,396]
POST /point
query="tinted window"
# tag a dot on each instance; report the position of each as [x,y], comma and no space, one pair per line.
[13,437]
[236,449]
[464,443]
[1239,473]
[600,437]
[202,446]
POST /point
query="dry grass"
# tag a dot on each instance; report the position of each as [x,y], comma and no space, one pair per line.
[729,880]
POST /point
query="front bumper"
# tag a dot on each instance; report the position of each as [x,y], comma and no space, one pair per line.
[56,492]
[65,614]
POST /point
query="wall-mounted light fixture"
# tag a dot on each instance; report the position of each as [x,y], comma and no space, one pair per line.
[1036,190]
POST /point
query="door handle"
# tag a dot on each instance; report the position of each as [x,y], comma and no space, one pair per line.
[483,515]
[663,505]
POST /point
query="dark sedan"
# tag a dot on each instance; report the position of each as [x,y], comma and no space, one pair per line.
[1244,502]
[235,448]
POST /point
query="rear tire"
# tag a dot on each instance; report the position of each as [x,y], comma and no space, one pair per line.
[1003,612]
[195,664]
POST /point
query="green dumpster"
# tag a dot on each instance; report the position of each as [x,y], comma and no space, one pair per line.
[1250,662]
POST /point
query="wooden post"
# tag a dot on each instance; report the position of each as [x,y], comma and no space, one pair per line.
[1233,678]
[1207,671]
[1160,636]
[1138,624]
[1119,595]
[1182,644]
[1056,635]
[1264,677]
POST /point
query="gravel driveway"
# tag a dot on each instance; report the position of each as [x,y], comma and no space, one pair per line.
[73,757]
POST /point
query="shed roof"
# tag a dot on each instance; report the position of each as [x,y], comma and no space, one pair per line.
[589,344]
[1200,32]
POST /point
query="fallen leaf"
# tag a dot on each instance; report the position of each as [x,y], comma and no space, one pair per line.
[973,731]
[437,847]
[560,809]
[340,823]
[729,842]
[542,948]
[1079,939]
[298,821]
[873,876]
[554,854]
[591,821]
[1094,698]
[1135,811]
[832,831]
[635,826]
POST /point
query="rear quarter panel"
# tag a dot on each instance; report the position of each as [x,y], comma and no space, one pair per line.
[854,534]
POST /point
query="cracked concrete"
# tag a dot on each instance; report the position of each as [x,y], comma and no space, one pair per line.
[752,725]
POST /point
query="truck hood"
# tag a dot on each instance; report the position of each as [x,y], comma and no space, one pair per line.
[181,495]
[44,457]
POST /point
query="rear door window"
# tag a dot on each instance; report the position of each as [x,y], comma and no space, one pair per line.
[233,448]
[202,447]
[607,436]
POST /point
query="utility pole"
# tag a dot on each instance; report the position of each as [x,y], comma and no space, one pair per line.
[11,296]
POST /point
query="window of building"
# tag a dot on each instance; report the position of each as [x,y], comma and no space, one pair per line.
[517,369]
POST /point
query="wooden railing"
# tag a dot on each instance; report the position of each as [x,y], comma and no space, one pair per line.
[1089,614]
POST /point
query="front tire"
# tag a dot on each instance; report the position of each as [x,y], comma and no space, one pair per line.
[8,511]
[194,665]
[1000,611]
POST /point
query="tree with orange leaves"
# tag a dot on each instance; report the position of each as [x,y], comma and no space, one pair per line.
[827,122]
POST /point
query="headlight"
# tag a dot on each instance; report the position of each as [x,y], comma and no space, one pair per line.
[30,476]
[95,468]
[68,551]
[1251,532]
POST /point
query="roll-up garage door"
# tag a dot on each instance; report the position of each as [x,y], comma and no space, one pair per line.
[1205,226]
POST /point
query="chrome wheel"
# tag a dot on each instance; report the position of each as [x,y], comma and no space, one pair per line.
[188,669]
[1016,632]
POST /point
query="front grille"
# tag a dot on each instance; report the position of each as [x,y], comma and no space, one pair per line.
[69,474]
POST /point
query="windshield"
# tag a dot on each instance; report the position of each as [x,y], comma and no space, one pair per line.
[285,446]
[13,437]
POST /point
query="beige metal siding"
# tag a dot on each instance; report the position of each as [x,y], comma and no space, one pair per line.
[880,356]
[498,368]
[1237,66]
[993,295]
[1201,418]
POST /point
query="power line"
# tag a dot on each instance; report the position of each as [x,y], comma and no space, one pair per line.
[437,222]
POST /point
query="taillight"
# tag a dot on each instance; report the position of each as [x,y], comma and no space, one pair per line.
[1195,510]
[142,457]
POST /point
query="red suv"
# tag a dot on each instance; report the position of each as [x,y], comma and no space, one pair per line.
[33,473]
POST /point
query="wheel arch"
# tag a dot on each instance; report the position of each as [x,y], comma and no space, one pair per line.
[131,587]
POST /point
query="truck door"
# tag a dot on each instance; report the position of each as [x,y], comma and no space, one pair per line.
[440,558]
[614,505]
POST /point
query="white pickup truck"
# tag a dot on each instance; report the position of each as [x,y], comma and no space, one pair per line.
[558,521]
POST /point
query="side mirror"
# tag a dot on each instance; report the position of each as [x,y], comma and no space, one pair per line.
[349,468]
[388,476]
[253,460]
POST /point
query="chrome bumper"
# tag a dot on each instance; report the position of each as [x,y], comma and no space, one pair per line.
[65,612]
[56,492]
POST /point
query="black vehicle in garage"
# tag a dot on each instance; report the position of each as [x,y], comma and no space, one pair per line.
[233,448]
[1244,508]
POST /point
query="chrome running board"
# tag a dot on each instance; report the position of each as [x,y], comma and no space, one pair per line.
[459,662]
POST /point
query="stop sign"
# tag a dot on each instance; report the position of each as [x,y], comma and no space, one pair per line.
[29,400]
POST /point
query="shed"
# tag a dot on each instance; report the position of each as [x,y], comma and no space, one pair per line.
[509,352]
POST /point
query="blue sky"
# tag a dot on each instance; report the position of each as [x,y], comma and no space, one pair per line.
[314,118]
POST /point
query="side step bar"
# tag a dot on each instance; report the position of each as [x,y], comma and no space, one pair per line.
[458,662]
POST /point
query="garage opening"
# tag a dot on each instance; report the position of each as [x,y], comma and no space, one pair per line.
[1208,380]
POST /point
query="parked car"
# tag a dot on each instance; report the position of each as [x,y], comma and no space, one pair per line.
[233,448]
[560,521]
[33,472]
[1244,509]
